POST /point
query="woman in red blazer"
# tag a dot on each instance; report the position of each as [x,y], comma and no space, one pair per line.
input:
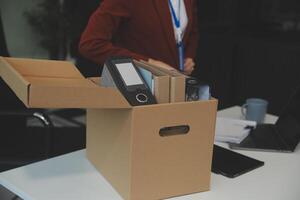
[141,29]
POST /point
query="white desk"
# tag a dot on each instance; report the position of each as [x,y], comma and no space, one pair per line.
[72,177]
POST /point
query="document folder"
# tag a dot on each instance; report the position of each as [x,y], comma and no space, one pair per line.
[161,83]
[177,82]
[123,74]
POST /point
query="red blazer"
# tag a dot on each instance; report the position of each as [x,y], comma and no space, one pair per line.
[141,29]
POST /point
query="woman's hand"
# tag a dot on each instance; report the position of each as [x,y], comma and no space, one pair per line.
[189,65]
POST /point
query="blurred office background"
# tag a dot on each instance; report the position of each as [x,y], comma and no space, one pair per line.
[247,48]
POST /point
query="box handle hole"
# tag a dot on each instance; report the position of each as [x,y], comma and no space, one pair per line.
[174,130]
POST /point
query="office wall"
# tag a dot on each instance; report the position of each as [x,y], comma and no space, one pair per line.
[21,40]
[242,53]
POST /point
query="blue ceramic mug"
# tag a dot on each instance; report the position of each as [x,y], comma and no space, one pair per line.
[255,109]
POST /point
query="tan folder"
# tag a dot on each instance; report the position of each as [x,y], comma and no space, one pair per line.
[177,82]
[161,83]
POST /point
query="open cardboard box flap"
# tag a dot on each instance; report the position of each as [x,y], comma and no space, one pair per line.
[56,84]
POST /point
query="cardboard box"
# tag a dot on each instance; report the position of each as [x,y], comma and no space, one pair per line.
[128,145]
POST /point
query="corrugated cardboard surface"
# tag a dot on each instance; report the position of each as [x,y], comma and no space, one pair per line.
[174,165]
[127,149]
[56,84]
[109,145]
[44,68]
[16,82]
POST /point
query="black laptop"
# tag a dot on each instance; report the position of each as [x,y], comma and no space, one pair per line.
[283,136]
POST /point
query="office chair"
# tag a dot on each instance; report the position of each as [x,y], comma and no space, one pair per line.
[24,145]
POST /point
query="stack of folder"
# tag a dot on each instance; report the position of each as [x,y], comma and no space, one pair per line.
[232,130]
[168,86]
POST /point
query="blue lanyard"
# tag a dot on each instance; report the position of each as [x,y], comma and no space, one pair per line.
[180,46]
[176,19]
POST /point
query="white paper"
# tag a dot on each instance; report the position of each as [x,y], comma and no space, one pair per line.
[129,74]
[232,130]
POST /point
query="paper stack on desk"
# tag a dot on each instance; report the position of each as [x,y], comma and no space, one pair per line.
[232,130]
